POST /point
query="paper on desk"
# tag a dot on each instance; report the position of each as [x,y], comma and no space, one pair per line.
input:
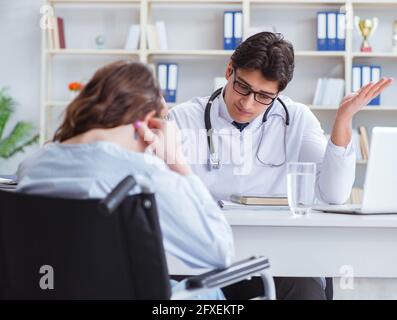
[229,205]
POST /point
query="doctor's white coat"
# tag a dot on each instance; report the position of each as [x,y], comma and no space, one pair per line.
[244,156]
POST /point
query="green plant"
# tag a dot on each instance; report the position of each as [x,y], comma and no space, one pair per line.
[23,134]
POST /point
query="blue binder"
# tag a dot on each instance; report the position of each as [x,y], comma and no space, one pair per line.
[356,78]
[341,32]
[172,82]
[237,28]
[376,73]
[162,76]
[322,31]
[331,30]
[228,35]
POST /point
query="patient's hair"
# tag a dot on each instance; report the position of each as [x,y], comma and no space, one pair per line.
[119,93]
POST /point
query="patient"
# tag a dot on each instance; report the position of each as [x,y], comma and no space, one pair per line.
[113,129]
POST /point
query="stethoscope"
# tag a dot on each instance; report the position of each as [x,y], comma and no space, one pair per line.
[213,160]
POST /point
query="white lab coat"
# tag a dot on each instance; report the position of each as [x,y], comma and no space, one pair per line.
[240,170]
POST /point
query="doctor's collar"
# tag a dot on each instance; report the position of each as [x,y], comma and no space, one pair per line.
[222,108]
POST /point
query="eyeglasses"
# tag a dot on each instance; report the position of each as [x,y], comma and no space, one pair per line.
[246,90]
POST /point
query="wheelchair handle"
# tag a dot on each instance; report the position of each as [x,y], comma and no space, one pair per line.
[109,204]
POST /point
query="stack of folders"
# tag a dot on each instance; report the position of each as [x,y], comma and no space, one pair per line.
[232,29]
[364,74]
[329,92]
[259,200]
[167,75]
[331,31]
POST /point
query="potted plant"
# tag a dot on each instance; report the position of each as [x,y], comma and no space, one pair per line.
[22,135]
[75,88]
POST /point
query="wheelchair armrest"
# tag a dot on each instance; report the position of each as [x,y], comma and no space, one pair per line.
[223,277]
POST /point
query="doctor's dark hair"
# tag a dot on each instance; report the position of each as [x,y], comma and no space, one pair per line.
[269,53]
[119,93]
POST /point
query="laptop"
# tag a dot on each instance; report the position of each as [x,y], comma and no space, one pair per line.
[380,187]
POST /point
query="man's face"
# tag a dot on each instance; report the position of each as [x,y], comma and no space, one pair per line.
[244,108]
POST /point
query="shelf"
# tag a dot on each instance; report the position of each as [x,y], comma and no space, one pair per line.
[93,52]
[230,52]
[320,53]
[373,3]
[368,108]
[375,55]
[324,2]
[190,52]
[55,2]
[57,103]
[197,1]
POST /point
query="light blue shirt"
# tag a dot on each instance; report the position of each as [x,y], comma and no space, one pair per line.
[193,227]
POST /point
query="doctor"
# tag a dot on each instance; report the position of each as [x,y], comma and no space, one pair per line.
[240,138]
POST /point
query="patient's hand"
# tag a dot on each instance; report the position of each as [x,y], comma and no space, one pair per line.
[163,137]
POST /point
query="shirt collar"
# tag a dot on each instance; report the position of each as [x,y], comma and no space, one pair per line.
[223,112]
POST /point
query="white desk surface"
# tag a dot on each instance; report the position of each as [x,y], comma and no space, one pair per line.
[284,218]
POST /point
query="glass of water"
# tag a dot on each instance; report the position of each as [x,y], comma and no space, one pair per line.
[301,180]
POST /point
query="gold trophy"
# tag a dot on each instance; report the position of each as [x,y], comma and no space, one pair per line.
[366,27]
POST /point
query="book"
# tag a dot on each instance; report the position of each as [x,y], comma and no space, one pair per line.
[161,35]
[356,137]
[152,38]
[364,142]
[133,36]
[259,200]
[329,92]
[229,205]
[56,33]
[61,33]
[355,196]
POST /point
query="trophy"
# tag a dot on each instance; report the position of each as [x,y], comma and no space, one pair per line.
[366,27]
[395,37]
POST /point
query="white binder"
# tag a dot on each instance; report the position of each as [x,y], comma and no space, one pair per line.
[356,78]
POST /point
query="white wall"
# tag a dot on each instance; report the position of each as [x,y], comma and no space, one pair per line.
[20,64]
[20,38]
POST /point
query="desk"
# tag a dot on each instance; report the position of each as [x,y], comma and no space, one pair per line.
[322,244]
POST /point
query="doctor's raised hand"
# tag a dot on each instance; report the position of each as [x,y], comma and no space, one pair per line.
[350,105]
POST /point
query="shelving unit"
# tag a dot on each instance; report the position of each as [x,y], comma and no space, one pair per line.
[195,37]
